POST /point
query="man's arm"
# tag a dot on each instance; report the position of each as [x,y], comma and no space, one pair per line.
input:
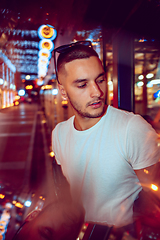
[61,183]
[147,206]
[149,178]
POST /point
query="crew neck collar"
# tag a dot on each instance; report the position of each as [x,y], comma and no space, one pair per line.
[93,127]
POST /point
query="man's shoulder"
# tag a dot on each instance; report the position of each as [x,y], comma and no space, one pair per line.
[116,112]
[126,118]
[64,125]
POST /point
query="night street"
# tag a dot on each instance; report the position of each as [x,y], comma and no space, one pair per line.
[24,159]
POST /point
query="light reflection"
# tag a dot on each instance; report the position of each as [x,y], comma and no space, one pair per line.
[154,187]
[19,205]
[51,154]
[146,171]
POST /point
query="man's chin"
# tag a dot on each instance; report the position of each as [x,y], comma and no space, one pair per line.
[95,115]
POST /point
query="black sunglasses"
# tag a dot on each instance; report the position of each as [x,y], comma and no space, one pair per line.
[25,221]
[19,229]
[65,48]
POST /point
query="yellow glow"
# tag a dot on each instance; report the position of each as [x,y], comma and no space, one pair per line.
[28,77]
[19,205]
[40,197]
[51,154]
[43,121]
[154,187]
[47,32]
[17,97]
[110,83]
[2,196]
[29,87]
[14,202]
[64,102]
[16,103]
[146,171]
[46,45]
[48,87]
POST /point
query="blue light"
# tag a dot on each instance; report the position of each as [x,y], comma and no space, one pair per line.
[1,81]
[42,44]
[21,92]
[55,91]
[45,26]
[27,203]
[156,94]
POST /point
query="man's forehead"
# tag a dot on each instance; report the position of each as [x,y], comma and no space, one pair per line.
[80,67]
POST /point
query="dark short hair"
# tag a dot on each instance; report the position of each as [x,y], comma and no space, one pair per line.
[73,53]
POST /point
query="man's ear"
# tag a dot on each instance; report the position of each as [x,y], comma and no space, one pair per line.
[63,91]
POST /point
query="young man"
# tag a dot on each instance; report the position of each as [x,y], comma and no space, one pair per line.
[107,155]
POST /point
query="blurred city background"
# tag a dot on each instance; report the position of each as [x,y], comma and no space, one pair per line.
[126,36]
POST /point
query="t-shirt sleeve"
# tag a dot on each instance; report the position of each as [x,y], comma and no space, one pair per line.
[141,143]
[55,144]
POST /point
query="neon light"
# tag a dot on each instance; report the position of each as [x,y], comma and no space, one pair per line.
[55,91]
[47,31]
[8,62]
[154,187]
[1,81]
[140,84]
[21,92]
[155,81]
[149,75]
[140,77]
[46,44]
[27,203]
[44,53]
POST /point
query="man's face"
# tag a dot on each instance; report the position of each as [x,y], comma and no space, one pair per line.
[84,84]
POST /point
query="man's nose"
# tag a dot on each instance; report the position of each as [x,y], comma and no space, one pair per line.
[95,91]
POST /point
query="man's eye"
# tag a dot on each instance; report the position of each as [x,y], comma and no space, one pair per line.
[82,85]
[100,80]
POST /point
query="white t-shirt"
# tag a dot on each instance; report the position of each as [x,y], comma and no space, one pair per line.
[99,163]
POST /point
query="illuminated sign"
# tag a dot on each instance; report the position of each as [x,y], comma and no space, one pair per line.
[47,31]
[43,61]
[45,53]
[46,44]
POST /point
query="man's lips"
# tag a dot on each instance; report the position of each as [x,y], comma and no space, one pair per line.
[95,104]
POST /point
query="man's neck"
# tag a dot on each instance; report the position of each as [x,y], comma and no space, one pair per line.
[82,123]
[85,124]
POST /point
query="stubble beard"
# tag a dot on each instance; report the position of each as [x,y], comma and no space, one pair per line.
[86,114]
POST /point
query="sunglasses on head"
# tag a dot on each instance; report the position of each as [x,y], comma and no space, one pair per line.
[32,214]
[65,48]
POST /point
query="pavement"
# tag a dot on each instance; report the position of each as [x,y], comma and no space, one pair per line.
[25,164]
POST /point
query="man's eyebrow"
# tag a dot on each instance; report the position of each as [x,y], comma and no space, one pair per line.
[79,80]
[100,75]
[85,79]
